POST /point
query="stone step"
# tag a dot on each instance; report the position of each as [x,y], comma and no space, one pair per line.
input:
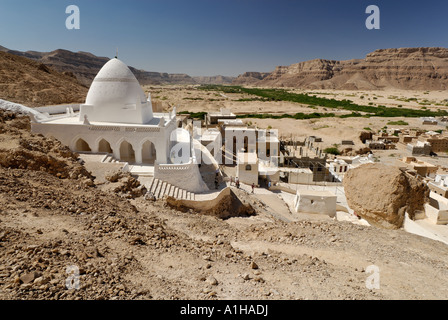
[157,191]
[154,185]
[167,190]
[162,189]
[150,184]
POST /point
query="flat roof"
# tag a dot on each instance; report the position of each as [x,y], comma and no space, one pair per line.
[318,193]
[231,121]
[297,170]
[74,120]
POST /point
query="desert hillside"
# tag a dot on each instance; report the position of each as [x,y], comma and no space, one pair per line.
[85,66]
[404,68]
[25,81]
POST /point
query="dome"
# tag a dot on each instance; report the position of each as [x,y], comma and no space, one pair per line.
[115,69]
[116,96]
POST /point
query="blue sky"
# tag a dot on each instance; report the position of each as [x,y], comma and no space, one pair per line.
[210,37]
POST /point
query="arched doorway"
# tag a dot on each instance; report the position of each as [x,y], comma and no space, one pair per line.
[82,146]
[246,144]
[104,147]
[127,152]
[149,154]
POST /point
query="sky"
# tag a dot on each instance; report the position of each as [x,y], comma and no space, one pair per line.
[225,37]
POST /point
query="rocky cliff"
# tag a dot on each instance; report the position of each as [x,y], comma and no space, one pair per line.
[213,80]
[250,78]
[404,68]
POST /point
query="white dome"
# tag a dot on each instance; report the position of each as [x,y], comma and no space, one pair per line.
[115,69]
[116,96]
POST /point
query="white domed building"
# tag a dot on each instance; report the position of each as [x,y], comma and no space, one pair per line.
[116,96]
[117,119]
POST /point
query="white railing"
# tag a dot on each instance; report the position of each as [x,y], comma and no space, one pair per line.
[126,129]
[104,128]
[173,167]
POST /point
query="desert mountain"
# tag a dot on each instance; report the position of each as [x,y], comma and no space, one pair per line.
[250,78]
[85,66]
[32,83]
[404,68]
[213,80]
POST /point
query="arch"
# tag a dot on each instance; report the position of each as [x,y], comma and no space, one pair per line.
[82,146]
[127,152]
[149,152]
[248,167]
[104,146]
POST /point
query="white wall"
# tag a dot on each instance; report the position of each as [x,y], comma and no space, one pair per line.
[315,202]
[437,215]
[245,176]
[185,176]
[69,134]
[300,177]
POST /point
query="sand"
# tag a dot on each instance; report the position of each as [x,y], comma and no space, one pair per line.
[331,130]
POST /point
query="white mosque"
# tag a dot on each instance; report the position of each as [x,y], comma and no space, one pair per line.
[118,119]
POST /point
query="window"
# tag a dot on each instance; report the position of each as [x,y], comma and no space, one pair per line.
[248,167]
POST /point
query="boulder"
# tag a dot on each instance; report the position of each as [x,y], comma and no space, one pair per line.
[365,135]
[382,194]
[30,277]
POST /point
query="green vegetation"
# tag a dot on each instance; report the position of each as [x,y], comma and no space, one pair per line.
[188,98]
[332,150]
[398,123]
[252,99]
[283,95]
[194,115]
[297,116]
[322,127]
[367,129]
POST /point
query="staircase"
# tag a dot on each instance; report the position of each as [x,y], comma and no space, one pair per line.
[109,158]
[161,188]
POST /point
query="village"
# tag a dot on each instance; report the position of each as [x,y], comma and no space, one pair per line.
[176,156]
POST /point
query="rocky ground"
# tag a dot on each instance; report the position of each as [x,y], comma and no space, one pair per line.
[32,83]
[125,247]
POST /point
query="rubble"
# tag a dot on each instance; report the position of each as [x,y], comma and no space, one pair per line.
[227,204]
